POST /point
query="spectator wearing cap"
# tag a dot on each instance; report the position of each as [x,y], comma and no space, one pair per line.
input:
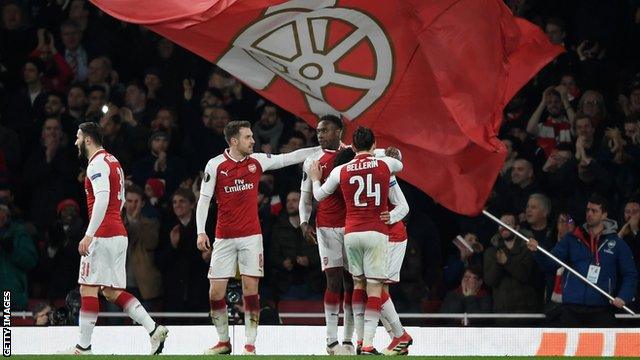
[159,164]
[61,258]
[17,256]
[154,190]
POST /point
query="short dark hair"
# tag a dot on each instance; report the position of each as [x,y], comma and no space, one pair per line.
[70,24]
[92,130]
[135,189]
[39,64]
[475,270]
[141,87]
[344,156]
[93,88]
[78,86]
[600,200]
[363,139]
[185,193]
[334,120]
[232,129]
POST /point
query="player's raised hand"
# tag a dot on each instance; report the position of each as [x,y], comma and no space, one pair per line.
[385,216]
[315,171]
[309,233]
[83,246]
[203,242]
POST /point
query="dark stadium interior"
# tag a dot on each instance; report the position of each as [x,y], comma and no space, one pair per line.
[572,131]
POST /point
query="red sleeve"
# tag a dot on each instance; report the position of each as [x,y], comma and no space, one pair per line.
[65,73]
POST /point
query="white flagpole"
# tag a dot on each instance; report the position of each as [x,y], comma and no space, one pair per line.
[542,250]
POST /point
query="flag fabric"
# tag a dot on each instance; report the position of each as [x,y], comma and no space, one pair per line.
[430,77]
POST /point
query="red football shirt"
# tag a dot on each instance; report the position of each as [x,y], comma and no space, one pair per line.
[104,173]
[331,211]
[364,182]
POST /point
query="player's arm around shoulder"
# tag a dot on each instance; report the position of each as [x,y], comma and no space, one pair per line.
[322,191]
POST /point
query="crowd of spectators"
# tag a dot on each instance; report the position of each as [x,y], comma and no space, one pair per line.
[572,132]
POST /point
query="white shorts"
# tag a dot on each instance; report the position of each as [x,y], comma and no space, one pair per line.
[227,254]
[331,247]
[106,263]
[395,256]
[367,254]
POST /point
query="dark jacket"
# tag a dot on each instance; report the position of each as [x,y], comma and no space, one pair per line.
[455,302]
[186,287]
[615,258]
[17,256]
[288,242]
[512,283]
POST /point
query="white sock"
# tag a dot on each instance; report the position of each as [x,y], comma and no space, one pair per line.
[251,318]
[389,314]
[348,318]
[220,319]
[358,313]
[89,308]
[386,325]
[371,319]
[331,315]
[136,311]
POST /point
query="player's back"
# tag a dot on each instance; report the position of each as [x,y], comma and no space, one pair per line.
[364,183]
[104,173]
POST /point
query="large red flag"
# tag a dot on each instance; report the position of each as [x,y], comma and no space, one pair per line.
[429,76]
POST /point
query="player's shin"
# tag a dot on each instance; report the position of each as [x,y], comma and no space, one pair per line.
[251,317]
[331,315]
[372,312]
[220,319]
[89,308]
[358,305]
[135,310]
[348,316]
[390,316]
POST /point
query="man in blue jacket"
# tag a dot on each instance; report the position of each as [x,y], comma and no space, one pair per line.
[596,252]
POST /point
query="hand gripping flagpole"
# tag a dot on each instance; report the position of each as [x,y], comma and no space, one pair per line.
[554,258]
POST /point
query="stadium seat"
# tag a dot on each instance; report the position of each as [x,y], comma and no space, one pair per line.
[301,306]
